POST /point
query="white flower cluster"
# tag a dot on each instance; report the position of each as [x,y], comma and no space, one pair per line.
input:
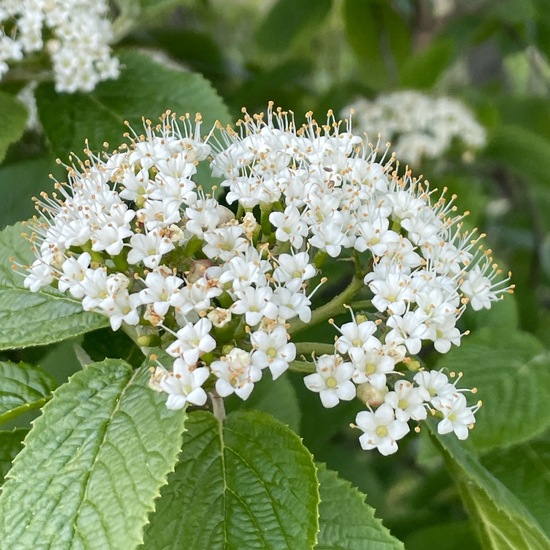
[222,288]
[419,126]
[75,34]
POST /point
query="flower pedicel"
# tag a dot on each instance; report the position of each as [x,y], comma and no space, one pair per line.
[223,284]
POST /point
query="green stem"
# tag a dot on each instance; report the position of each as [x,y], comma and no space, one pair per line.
[330,309]
[120,261]
[17,411]
[309,348]
[304,367]
[265,210]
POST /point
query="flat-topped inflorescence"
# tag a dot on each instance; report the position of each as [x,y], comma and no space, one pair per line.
[221,283]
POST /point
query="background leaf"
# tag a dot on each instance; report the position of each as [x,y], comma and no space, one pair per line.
[379,38]
[22,388]
[14,118]
[11,442]
[346,522]
[19,182]
[501,520]
[247,484]
[92,464]
[525,470]
[287,19]
[145,88]
[511,371]
[423,69]
[35,318]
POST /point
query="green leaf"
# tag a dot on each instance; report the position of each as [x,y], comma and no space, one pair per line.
[10,444]
[525,470]
[35,318]
[511,372]
[502,522]
[92,464]
[346,522]
[145,88]
[14,118]
[249,483]
[422,70]
[522,151]
[277,398]
[528,112]
[503,314]
[19,182]
[287,19]
[379,38]
[22,388]
[446,536]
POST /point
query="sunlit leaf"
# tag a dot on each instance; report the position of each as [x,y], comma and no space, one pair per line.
[93,463]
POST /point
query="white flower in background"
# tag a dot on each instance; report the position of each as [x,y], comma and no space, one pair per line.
[74,33]
[419,126]
[136,237]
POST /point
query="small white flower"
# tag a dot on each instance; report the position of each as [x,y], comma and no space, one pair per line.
[408,330]
[149,248]
[292,304]
[74,271]
[332,381]
[289,226]
[435,382]
[193,340]
[478,289]
[294,270]
[458,417]
[356,335]
[371,365]
[255,303]
[272,350]
[382,429]
[408,401]
[184,385]
[162,291]
[236,374]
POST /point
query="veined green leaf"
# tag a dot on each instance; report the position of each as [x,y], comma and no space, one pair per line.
[35,318]
[511,371]
[502,522]
[277,398]
[246,483]
[92,464]
[145,88]
[346,521]
[22,388]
